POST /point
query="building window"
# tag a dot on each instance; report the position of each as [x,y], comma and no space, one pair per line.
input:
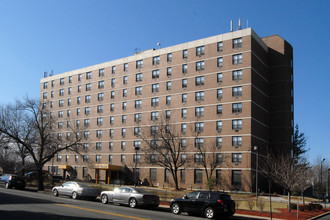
[169,57]
[137,131]
[219,94]
[184,68]
[168,114]
[237,91]
[78,100]
[86,146]
[112,107]
[200,50]
[153,174]
[88,75]
[101,84]
[137,144]
[78,111]
[200,65]
[45,85]
[184,83]
[185,54]
[198,176]
[86,122]
[79,77]
[237,107]
[155,60]
[155,74]
[184,113]
[199,127]
[113,70]
[98,145]
[219,126]
[218,177]
[183,142]
[154,116]
[123,145]
[137,117]
[123,132]
[111,133]
[123,119]
[220,62]
[154,131]
[138,77]
[100,96]
[237,124]
[51,94]
[60,114]
[87,98]
[219,109]
[44,95]
[184,97]
[138,90]
[124,92]
[99,133]
[169,71]
[112,94]
[101,72]
[79,88]
[219,158]
[122,158]
[138,104]
[168,85]
[219,46]
[110,159]
[219,142]
[237,43]
[125,80]
[113,82]
[139,64]
[154,102]
[86,134]
[124,106]
[62,81]
[199,142]
[69,90]
[199,111]
[136,158]
[166,175]
[88,87]
[199,80]
[237,74]
[183,128]
[60,103]
[112,120]
[237,141]
[60,125]
[61,92]
[168,100]
[237,58]
[155,88]
[125,67]
[99,108]
[236,157]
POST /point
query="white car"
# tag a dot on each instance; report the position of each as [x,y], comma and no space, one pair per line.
[75,190]
[130,196]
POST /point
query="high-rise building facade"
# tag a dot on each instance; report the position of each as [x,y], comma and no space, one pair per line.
[235,89]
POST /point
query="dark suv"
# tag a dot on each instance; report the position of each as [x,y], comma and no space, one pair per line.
[209,203]
[12,180]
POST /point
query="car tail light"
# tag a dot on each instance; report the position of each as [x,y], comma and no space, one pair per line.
[220,201]
[10,177]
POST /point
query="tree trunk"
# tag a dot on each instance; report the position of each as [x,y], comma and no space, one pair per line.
[40,179]
[23,166]
[303,197]
[175,175]
[289,201]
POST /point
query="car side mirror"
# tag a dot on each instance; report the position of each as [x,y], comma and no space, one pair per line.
[185,197]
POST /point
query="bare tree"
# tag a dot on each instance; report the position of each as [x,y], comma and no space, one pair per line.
[305,181]
[163,148]
[32,126]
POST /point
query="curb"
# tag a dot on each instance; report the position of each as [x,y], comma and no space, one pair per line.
[319,216]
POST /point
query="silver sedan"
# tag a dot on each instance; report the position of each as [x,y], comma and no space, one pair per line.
[75,190]
[131,196]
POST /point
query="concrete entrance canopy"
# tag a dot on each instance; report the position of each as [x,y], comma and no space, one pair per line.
[107,167]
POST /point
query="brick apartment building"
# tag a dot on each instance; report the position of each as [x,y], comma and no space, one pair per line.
[235,89]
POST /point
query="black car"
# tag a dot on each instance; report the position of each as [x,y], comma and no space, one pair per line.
[209,203]
[11,180]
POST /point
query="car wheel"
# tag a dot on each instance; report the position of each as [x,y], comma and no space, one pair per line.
[104,199]
[132,203]
[7,186]
[175,208]
[74,195]
[55,192]
[209,213]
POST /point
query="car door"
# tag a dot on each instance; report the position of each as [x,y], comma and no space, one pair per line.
[117,194]
[200,202]
[187,202]
[126,194]
[65,189]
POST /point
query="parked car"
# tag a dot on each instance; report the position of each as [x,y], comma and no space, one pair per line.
[12,181]
[209,203]
[75,190]
[131,196]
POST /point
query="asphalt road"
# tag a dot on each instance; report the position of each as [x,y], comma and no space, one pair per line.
[17,204]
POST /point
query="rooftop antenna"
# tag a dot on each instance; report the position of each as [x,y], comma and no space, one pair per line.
[231,25]
[247,23]
[239,24]
[45,74]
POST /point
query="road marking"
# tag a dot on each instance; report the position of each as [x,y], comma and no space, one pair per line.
[108,213]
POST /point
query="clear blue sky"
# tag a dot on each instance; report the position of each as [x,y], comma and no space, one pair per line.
[63,35]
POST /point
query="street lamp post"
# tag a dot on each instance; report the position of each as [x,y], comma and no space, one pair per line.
[136,161]
[257,170]
[321,175]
